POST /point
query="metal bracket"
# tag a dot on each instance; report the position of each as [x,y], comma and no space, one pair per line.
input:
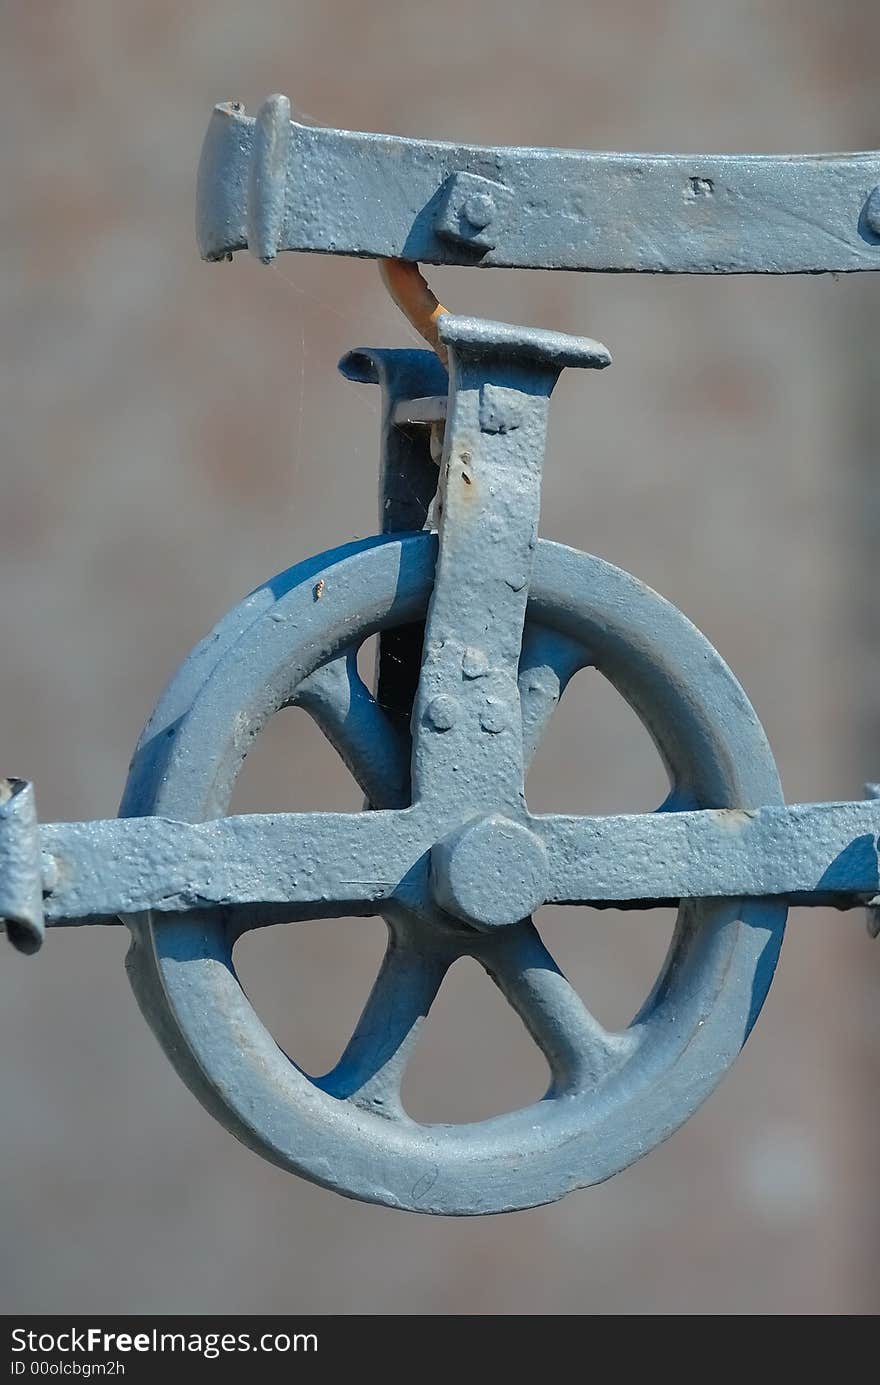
[270,184]
[468,210]
[21,875]
[281,867]
[481,625]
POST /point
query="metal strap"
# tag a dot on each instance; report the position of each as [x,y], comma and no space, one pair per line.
[270,184]
[280,867]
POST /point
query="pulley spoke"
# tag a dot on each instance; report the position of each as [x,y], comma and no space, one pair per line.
[548,662]
[339,702]
[370,1071]
[579,1051]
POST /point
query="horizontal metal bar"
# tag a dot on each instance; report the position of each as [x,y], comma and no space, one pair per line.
[343,192]
[280,867]
[810,853]
[308,864]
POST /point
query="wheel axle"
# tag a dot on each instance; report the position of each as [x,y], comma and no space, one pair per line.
[491,872]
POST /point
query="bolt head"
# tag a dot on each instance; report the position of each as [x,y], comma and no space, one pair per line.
[493,716]
[479,209]
[474,662]
[442,712]
[490,873]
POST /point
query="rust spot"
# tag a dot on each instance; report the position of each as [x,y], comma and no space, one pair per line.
[319,589]
[410,292]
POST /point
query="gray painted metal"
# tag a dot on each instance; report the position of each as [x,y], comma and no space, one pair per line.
[492,641]
[816,853]
[499,622]
[613,1096]
[283,867]
[271,184]
[481,626]
[21,879]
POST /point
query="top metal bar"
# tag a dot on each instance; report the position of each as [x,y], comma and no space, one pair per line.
[271,184]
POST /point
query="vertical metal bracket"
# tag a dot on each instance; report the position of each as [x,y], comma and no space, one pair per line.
[21,876]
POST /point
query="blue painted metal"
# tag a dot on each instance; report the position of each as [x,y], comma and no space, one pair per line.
[287,866]
[21,875]
[534,613]
[716,979]
[481,626]
[272,184]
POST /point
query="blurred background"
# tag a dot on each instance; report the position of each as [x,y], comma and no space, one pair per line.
[173,433]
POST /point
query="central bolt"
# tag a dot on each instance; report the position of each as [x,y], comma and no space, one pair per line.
[490,872]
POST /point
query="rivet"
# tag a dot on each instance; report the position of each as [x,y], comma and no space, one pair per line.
[872,212]
[442,712]
[474,662]
[479,210]
[493,717]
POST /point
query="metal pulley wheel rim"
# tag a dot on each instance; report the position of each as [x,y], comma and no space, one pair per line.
[690,1029]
